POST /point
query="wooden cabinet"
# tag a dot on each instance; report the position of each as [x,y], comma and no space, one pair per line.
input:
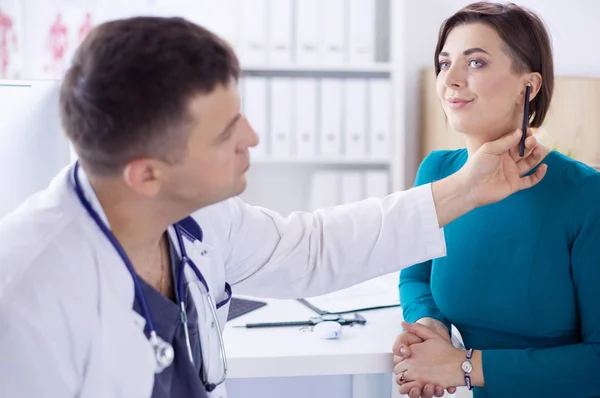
[572,125]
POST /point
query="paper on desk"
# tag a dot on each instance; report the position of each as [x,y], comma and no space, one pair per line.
[382,291]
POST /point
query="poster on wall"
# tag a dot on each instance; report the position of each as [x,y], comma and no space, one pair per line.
[53,32]
[221,17]
[193,10]
[11,39]
[109,10]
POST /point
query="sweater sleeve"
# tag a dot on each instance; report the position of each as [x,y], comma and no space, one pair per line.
[571,370]
[415,288]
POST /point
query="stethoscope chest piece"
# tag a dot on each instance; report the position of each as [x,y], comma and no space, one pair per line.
[163,353]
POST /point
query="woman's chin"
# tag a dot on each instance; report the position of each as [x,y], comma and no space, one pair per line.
[463,127]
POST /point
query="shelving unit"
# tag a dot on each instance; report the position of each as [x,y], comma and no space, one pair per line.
[319,161]
[286,183]
[377,68]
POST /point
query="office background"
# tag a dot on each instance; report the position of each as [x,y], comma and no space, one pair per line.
[334,88]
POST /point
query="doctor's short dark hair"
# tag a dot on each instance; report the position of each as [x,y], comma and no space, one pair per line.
[127,92]
[527,43]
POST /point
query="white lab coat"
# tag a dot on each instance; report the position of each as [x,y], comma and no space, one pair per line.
[67,327]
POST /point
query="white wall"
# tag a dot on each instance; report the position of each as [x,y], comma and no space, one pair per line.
[573,26]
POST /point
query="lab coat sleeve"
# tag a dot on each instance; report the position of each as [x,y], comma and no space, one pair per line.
[312,253]
[30,363]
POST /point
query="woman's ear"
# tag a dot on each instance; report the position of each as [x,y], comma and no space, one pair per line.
[534,80]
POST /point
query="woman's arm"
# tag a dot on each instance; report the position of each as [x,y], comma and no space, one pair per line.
[416,298]
[415,289]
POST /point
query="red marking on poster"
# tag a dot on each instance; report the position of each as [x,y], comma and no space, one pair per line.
[86,26]
[57,44]
[7,36]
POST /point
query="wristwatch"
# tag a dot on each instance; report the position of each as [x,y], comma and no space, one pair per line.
[467,367]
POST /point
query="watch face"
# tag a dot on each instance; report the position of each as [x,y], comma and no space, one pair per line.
[467,366]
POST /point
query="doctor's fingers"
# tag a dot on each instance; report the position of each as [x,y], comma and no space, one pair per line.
[533,159]
[402,343]
[530,143]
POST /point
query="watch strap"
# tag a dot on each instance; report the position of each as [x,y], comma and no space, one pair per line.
[467,375]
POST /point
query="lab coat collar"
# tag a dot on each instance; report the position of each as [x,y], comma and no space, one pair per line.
[90,194]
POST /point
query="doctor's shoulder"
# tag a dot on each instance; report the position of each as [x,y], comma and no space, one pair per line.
[439,164]
[221,220]
[48,300]
[45,261]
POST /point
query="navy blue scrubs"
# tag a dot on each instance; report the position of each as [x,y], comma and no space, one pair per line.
[182,378]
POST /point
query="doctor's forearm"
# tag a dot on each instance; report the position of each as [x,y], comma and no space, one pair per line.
[450,197]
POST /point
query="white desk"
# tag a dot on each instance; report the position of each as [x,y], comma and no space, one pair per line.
[363,352]
[358,365]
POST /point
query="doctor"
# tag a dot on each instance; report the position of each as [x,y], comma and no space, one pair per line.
[109,288]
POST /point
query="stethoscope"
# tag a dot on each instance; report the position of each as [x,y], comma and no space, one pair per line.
[163,351]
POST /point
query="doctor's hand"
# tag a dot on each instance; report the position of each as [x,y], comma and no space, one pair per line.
[434,361]
[496,170]
[402,351]
[492,173]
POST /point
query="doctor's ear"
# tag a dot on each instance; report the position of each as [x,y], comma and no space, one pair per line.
[143,176]
[534,81]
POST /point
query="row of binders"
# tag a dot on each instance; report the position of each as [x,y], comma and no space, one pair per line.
[283,32]
[336,118]
[331,188]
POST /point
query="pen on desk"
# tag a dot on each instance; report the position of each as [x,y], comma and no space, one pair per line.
[274,324]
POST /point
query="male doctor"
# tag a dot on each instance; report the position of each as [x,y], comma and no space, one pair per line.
[109,288]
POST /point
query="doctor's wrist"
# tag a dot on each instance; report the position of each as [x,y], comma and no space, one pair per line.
[452,197]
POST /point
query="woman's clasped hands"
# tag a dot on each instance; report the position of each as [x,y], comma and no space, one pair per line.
[425,361]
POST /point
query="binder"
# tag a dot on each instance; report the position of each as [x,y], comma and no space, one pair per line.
[253,34]
[355,117]
[332,32]
[223,17]
[307,32]
[361,32]
[351,186]
[281,117]
[330,116]
[379,119]
[305,117]
[376,183]
[324,191]
[280,32]
[254,106]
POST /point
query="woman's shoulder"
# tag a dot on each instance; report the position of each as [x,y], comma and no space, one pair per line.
[571,171]
[576,179]
[439,164]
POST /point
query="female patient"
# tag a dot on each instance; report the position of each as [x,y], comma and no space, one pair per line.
[521,280]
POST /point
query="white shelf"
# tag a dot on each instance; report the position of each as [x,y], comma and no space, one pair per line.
[319,161]
[372,68]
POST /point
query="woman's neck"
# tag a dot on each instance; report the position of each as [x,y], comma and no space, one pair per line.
[473,143]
